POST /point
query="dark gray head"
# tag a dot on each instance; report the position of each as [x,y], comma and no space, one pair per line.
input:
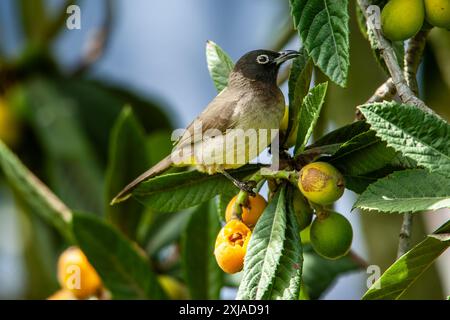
[263,65]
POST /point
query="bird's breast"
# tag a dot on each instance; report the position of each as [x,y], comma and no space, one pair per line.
[260,110]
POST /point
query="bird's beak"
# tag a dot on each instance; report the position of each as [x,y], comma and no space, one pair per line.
[286,55]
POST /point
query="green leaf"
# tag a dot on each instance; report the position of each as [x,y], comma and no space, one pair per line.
[407,191]
[264,251]
[362,154]
[343,134]
[323,28]
[34,193]
[416,134]
[98,106]
[127,159]
[222,201]
[172,192]
[287,278]
[203,277]
[359,183]
[123,268]
[320,273]
[308,115]
[219,65]
[71,165]
[273,263]
[408,268]
[165,229]
[299,81]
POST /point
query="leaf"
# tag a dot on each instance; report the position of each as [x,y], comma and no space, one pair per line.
[165,229]
[123,268]
[221,202]
[308,115]
[323,28]
[98,106]
[287,278]
[127,159]
[299,81]
[72,167]
[320,273]
[407,191]
[362,154]
[396,280]
[264,251]
[341,135]
[219,65]
[172,192]
[34,193]
[203,277]
[416,134]
[359,183]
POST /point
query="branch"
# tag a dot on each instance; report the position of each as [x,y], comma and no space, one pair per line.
[96,44]
[406,86]
[404,243]
[413,57]
[384,46]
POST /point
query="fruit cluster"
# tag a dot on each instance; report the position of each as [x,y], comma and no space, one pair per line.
[79,280]
[330,233]
[77,277]
[402,19]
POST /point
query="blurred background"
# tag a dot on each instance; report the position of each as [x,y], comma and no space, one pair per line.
[61,91]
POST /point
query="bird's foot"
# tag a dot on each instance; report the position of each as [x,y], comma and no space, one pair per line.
[247,186]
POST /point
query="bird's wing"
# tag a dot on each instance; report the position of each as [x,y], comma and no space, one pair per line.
[219,114]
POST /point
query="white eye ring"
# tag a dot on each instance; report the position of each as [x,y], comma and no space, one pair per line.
[262,59]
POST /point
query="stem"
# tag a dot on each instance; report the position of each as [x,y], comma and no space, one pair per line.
[406,86]
[404,243]
[291,176]
[413,57]
[242,196]
[386,91]
[384,46]
[96,45]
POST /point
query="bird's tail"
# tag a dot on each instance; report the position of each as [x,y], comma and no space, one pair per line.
[158,168]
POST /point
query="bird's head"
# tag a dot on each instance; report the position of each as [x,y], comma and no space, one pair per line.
[263,65]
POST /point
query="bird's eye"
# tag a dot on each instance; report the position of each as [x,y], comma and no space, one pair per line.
[262,59]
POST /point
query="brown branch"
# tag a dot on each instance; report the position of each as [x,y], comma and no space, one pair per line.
[413,57]
[406,86]
[96,45]
[404,243]
[384,46]
[384,92]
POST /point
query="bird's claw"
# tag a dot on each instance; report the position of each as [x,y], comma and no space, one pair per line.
[247,186]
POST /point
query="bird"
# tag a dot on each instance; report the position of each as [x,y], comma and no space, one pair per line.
[252,100]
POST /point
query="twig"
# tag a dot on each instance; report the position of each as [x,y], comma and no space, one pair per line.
[384,46]
[405,235]
[97,43]
[384,92]
[413,57]
[406,87]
